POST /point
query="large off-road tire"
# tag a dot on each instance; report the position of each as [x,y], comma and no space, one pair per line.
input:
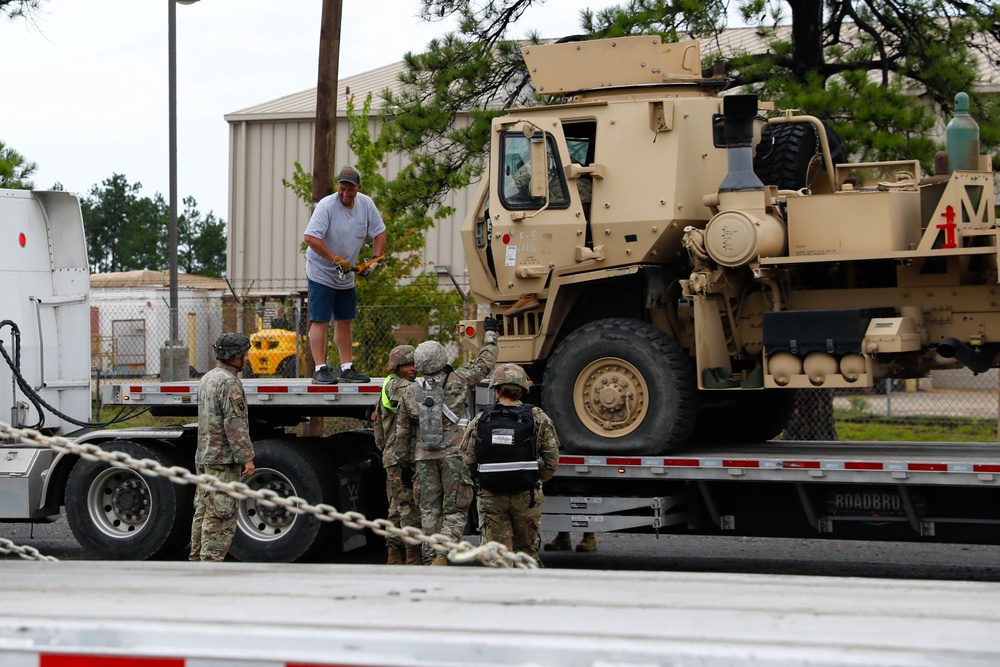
[620,386]
[787,155]
[117,513]
[742,415]
[275,534]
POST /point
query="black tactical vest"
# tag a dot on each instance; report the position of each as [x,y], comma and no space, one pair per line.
[507,450]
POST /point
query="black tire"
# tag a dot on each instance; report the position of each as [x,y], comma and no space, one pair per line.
[116,513]
[744,415]
[275,535]
[287,369]
[637,374]
[786,152]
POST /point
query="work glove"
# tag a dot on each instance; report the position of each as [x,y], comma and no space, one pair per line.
[490,324]
[367,267]
[406,476]
[342,264]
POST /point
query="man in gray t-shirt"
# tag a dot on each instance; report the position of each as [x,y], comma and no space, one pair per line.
[339,226]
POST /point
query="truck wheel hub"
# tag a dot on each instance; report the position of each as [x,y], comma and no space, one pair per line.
[610,397]
[260,521]
[130,501]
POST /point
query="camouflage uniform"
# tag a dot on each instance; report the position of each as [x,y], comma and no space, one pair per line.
[402,508]
[514,519]
[223,448]
[442,485]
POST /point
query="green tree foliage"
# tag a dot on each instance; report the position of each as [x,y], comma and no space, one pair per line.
[19,8]
[880,73]
[128,232]
[398,293]
[15,170]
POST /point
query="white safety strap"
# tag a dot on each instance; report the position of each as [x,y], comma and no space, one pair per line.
[509,466]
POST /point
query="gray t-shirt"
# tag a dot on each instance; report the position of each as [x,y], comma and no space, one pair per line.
[344,231]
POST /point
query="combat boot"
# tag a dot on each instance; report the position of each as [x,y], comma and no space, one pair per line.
[440,559]
[562,542]
[413,556]
[588,543]
[395,555]
[525,303]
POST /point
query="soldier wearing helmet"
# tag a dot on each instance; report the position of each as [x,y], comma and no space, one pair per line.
[511,448]
[432,416]
[224,448]
[398,467]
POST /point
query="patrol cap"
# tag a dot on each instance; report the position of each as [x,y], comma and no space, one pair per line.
[349,175]
[230,345]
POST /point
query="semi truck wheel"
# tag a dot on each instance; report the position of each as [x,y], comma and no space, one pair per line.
[275,534]
[118,513]
[620,386]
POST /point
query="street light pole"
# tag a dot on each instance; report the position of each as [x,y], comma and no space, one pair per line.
[174,342]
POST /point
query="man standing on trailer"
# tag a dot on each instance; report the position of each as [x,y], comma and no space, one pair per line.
[336,231]
[224,448]
[433,414]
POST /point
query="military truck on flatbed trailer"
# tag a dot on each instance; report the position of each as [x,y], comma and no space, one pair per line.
[683,261]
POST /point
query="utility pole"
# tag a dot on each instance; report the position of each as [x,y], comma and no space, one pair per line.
[324,155]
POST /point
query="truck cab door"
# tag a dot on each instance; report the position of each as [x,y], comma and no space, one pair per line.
[535,212]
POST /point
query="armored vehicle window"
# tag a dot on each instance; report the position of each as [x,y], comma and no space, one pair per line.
[515,181]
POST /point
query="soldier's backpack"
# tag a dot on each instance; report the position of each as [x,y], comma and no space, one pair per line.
[507,449]
[431,410]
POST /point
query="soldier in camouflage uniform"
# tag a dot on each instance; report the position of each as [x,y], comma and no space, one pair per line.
[398,466]
[513,518]
[430,425]
[224,448]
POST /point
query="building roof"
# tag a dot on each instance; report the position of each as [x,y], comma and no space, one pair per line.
[302,105]
[147,278]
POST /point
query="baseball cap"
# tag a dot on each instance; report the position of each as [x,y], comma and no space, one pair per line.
[349,175]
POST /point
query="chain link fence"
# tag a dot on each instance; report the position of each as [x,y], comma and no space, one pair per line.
[128,331]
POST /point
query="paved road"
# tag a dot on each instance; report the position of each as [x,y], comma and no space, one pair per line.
[689,553]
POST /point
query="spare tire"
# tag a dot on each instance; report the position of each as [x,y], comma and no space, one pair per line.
[786,152]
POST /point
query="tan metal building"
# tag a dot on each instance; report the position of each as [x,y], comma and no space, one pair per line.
[267,220]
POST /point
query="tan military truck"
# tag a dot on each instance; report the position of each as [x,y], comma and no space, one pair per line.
[683,261]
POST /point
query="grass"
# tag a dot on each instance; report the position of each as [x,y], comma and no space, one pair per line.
[918,428]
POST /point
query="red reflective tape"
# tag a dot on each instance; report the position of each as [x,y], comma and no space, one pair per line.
[690,463]
[135,389]
[322,389]
[800,464]
[863,465]
[370,389]
[928,467]
[57,660]
[737,463]
[985,467]
[620,461]
[175,390]
[272,390]
[572,460]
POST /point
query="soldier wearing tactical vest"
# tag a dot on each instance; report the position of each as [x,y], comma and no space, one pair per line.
[398,466]
[511,448]
[224,448]
[433,413]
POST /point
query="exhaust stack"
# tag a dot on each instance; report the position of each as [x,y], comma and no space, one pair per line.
[952,348]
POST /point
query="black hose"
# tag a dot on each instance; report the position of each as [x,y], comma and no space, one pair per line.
[38,402]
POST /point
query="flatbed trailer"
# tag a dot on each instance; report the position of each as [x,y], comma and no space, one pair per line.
[867,490]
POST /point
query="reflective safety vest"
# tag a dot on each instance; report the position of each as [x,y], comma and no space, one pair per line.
[507,449]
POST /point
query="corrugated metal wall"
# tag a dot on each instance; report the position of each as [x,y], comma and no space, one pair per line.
[267,220]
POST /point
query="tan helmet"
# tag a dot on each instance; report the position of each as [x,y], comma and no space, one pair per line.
[510,374]
[230,346]
[430,357]
[401,355]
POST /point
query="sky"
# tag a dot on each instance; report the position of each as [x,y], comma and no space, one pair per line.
[84,92]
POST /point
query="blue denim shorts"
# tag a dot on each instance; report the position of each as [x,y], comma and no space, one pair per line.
[326,303]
